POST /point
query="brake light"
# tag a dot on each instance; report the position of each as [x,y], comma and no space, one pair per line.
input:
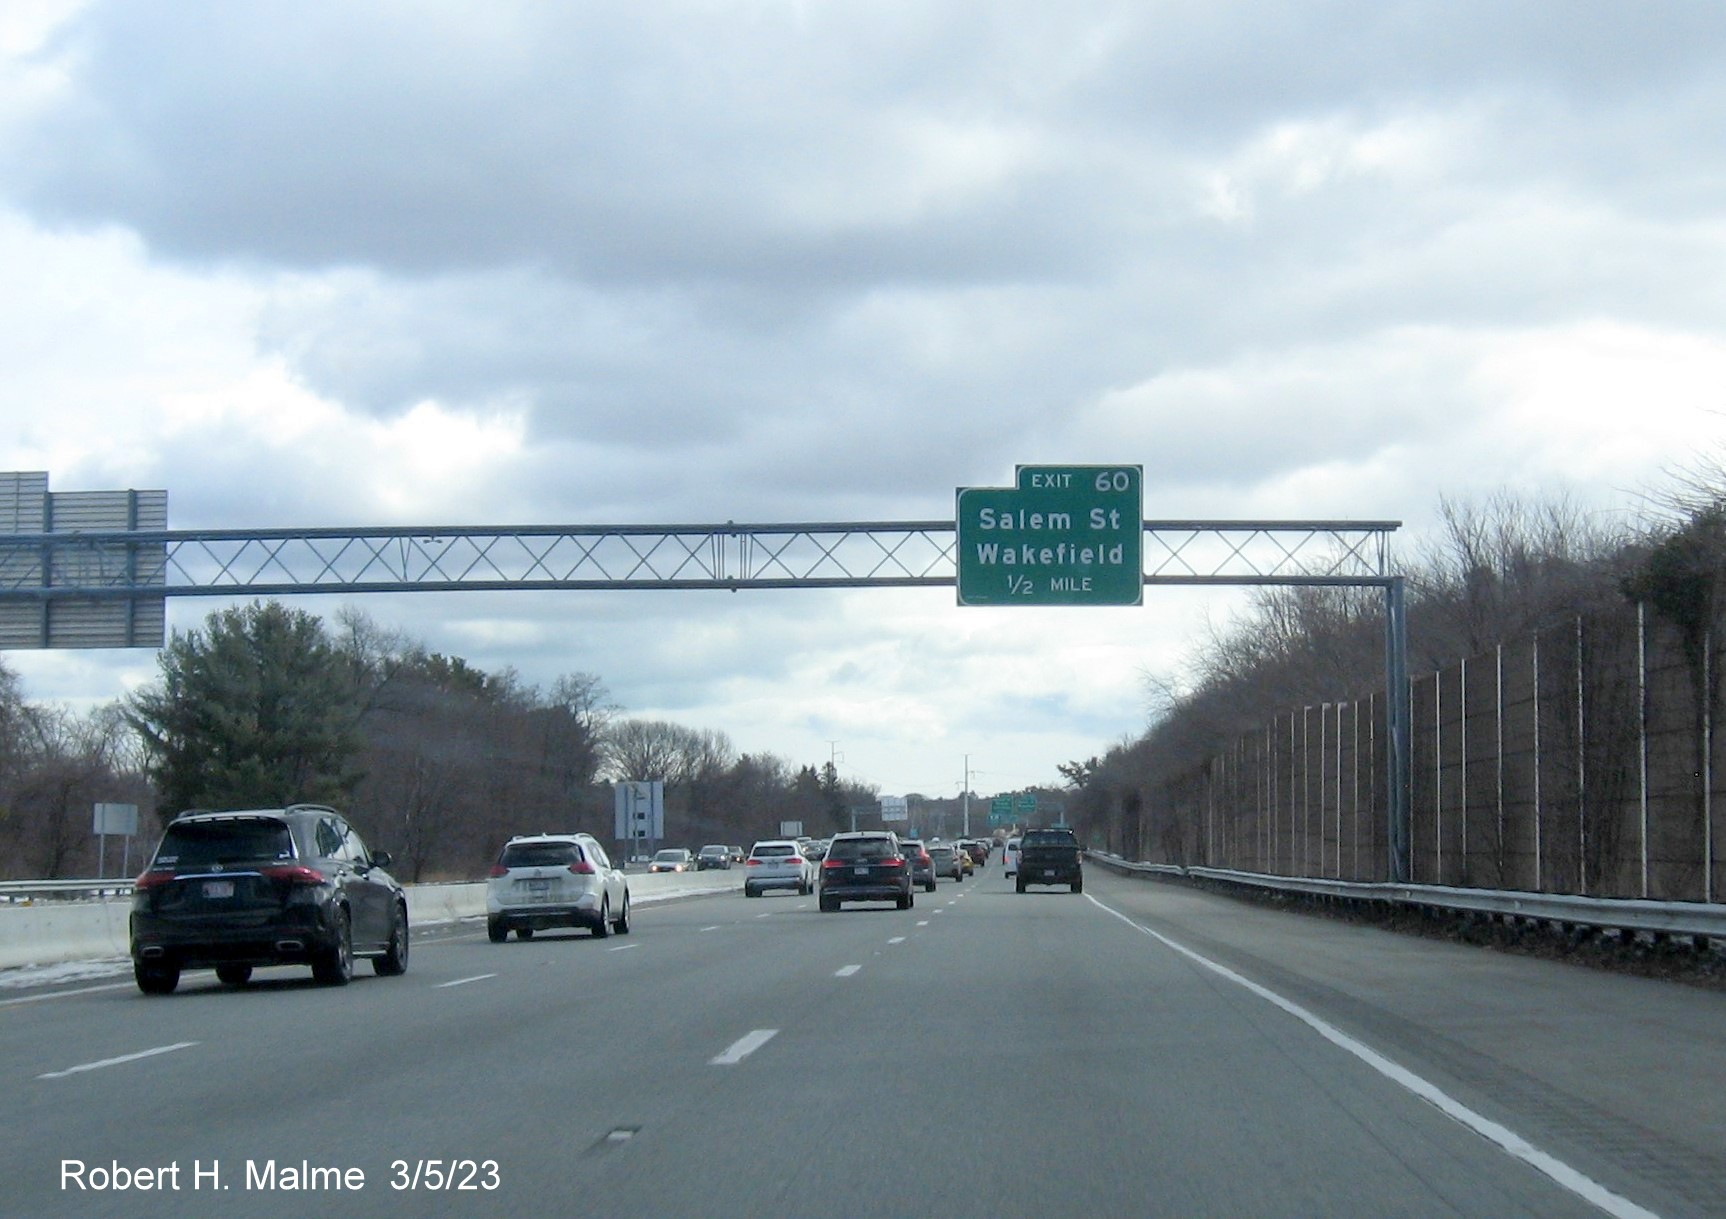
[583,868]
[752,862]
[295,874]
[149,880]
[497,869]
[895,861]
[833,863]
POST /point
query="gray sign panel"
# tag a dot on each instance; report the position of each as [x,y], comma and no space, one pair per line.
[28,511]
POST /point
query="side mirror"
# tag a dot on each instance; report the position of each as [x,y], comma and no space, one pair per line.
[381,859]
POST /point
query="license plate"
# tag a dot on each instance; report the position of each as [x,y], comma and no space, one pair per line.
[218,888]
[861,871]
[1048,871]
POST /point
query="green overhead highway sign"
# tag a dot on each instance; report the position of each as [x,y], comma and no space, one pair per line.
[1063,535]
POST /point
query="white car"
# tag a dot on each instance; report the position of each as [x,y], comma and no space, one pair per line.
[777,863]
[1010,853]
[542,881]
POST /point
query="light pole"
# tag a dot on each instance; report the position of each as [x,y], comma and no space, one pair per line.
[965,796]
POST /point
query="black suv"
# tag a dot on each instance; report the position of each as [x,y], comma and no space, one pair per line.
[866,867]
[1050,857]
[290,886]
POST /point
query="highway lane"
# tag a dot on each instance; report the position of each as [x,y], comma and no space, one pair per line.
[737,1056]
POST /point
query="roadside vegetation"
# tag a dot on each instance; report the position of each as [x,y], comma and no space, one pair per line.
[438,760]
[1498,572]
[435,759]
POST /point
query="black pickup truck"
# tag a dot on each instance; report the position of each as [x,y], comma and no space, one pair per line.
[1049,857]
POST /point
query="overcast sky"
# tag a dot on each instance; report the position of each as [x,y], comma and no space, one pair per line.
[595,263]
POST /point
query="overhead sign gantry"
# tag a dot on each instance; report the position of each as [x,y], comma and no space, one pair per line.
[78,572]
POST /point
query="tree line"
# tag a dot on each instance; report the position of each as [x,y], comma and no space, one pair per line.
[435,759]
[1500,571]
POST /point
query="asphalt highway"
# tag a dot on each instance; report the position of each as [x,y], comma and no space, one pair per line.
[1139,1049]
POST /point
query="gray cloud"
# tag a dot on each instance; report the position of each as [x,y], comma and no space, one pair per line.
[696,262]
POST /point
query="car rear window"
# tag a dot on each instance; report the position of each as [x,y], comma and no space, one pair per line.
[860,848]
[1050,838]
[539,854]
[778,848]
[943,852]
[225,842]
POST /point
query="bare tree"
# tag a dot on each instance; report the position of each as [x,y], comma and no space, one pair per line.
[639,750]
[1506,568]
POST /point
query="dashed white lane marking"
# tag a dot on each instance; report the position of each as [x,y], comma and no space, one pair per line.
[463,981]
[622,947]
[743,1047]
[114,1062]
[898,939]
[715,927]
[1505,1139]
[845,971]
[922,922]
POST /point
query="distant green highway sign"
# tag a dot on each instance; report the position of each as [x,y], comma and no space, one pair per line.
[1010,810]
[1062,535]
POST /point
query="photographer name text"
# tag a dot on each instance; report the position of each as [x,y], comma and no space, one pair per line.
[272,1176]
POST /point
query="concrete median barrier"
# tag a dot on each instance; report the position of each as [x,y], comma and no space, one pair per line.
[48,932]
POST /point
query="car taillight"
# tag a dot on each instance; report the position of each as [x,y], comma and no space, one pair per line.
[752,862]
[833,863]
[896,861]
[497,869]
[295,874]
[149,880]
[583,868]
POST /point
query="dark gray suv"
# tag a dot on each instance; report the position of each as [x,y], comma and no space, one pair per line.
[867,866]
[289,886]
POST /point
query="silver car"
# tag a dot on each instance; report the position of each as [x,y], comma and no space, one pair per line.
[542,881]
[778,863]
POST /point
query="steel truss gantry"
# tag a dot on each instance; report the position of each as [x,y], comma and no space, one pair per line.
[108,588]
[292,562]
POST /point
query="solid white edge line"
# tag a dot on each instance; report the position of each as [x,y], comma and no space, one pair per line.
[114,1062]
[1505,1139]
[463,981]
[742,1048]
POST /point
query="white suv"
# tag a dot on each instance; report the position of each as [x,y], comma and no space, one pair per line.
[778,863]
[555,880]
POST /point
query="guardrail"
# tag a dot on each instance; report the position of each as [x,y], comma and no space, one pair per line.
[27,890]
[1697,920]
